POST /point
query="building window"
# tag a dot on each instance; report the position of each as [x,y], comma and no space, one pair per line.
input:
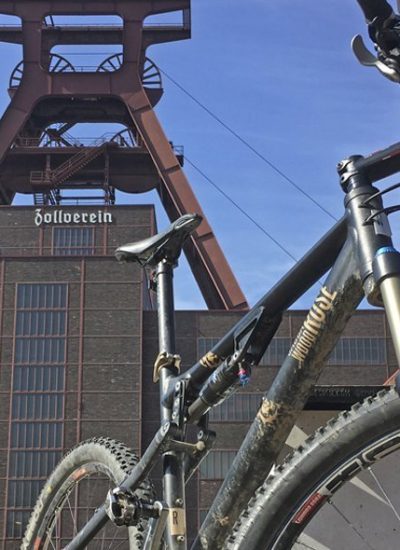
[359,351]
[37,407]
[239,407]
[39,297]
[348,351]
[276,352]
[205,344]
[73,241]
[216,464]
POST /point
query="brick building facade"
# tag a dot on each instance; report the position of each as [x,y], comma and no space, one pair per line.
[78,342]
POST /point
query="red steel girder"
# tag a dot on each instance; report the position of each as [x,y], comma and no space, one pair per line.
[210,268]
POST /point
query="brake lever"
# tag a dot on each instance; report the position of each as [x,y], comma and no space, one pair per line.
[368,59]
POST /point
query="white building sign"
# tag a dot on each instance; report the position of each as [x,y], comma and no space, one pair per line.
[65,218]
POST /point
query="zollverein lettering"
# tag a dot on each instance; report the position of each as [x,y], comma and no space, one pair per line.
[62,217]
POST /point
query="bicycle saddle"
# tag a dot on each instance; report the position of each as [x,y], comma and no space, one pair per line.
[163,246]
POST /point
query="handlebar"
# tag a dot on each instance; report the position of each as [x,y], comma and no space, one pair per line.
[384,31]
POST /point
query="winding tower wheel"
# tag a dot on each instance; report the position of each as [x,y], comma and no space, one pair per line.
[58,64]
[111,64]
[151,75]
[126,138]
[36,122]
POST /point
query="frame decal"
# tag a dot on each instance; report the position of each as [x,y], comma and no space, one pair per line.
[312,325]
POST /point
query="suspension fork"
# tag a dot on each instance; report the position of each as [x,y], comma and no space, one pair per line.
[386,268]
[369,227]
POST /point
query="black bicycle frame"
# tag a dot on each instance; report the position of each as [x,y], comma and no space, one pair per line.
[364,262]
[355,273]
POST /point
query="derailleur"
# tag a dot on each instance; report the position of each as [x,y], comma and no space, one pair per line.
[125,508]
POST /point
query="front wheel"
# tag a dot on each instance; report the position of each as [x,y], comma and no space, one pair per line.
[340,490]
[79,485]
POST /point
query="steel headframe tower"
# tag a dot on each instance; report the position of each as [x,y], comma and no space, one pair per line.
[49,96]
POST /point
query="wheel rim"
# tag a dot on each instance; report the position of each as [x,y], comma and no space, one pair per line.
[73,505]
[357,509]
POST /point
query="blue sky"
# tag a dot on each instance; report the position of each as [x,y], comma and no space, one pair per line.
[283,76]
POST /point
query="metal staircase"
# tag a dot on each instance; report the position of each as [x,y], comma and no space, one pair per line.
[54,178]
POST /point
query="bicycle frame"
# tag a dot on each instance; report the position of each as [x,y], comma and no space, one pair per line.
[359,247]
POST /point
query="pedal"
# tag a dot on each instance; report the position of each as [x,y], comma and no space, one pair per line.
[125,508]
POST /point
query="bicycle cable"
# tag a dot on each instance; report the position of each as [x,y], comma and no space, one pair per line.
[248,216]
[243,211]
[247,144]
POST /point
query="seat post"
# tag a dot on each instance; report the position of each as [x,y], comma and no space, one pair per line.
[173,466]
[166,326]
[165,306]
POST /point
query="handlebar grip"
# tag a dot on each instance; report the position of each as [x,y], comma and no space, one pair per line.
[375,8]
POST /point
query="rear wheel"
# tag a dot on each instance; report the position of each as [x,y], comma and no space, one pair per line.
[79,485]
[340,490]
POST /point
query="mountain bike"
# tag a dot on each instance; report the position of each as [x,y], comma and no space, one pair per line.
[260,506]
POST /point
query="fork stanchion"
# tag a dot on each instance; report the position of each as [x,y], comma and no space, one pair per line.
[386,267]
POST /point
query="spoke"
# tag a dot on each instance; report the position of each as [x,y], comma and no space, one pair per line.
[57,529]
[384,493]
[54,69]
[118,545]
[52,545]
[148,68]
[353,527]
[113,539]
[359,484]
[304,545]
[103,537]
[306,541]
[72,516]
[150,76]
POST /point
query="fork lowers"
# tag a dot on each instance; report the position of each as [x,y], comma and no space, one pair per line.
[386,267]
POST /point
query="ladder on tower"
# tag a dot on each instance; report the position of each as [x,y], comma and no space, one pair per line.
[54,178]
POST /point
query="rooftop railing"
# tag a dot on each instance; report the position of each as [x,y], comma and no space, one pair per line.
[66,140]
[98,26]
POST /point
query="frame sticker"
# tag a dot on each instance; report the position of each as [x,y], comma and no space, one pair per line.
[381,224]
[312,325]
[177,521]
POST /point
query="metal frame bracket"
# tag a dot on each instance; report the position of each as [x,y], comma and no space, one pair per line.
[165,360]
